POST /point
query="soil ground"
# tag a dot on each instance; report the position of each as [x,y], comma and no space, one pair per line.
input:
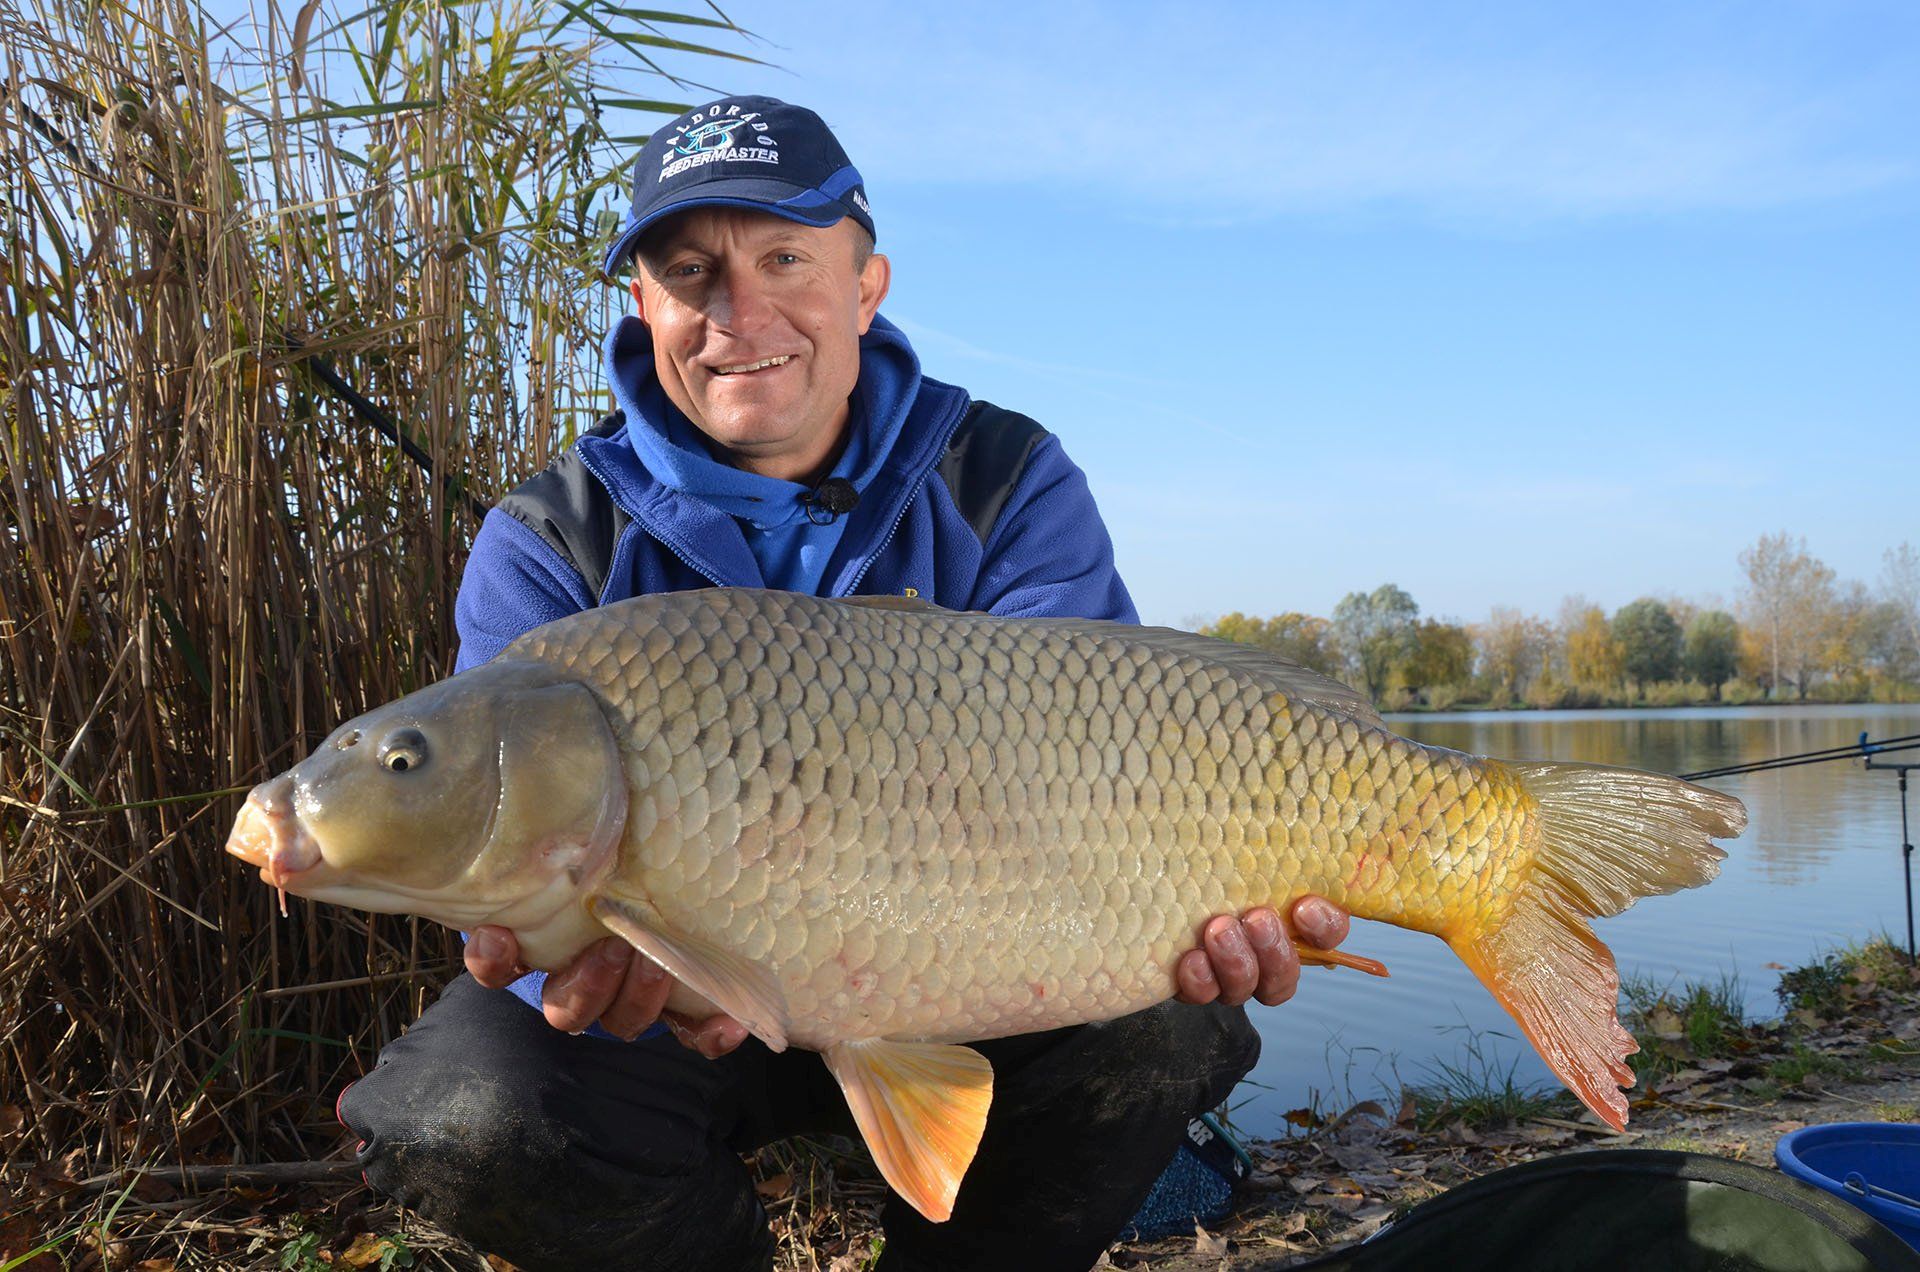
[1847,1049]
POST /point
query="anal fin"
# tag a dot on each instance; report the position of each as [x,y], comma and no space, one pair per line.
[921,1107]
[1336,958]
[743,989]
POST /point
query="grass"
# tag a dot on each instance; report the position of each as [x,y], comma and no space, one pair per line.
[1826,986]
[1802,1062]
[1676,1027]
[1478,1091]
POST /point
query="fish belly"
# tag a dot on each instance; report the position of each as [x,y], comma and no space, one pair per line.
[954,828]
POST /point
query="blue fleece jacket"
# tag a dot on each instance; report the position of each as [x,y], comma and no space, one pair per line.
[691,526]
[791,547]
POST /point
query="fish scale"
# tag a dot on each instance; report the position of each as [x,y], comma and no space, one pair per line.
[1142,781]
[880,830]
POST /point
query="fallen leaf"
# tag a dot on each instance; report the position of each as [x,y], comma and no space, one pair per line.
[1206,1245]
[1291,1225]
[1306,1118]
[775,1187]
[364,1251]
[1409,1109]
[154,1265]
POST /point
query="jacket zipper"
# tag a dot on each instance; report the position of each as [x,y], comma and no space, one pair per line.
[946,439]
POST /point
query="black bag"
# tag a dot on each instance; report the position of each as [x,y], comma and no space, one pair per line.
[1635,1209]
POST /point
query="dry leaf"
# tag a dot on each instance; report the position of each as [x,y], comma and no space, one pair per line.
[154,1265]
[1292,1225]
[1206,1245]
[499,1264]
[776,1187]
[364,1251]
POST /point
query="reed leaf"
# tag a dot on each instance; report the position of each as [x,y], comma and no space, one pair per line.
[281,306]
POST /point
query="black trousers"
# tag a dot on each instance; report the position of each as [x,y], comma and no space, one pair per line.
[563,1152]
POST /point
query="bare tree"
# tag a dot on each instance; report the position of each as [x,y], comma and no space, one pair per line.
[1790,603]
[1900,588]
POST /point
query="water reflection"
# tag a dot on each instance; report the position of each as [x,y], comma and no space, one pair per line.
[1818,866]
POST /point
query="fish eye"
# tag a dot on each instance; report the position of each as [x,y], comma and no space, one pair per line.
[403,751]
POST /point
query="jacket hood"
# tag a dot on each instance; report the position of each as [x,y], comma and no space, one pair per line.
[677,455]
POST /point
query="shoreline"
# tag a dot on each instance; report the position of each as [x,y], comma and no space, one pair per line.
[1845,1048]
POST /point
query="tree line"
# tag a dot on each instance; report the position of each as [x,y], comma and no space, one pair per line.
[1796,632]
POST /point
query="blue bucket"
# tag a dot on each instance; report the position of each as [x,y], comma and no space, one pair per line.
[1874,1165]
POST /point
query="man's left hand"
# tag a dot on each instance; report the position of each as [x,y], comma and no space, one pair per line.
[1253,956]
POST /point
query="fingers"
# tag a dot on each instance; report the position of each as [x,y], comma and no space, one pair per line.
[1238,959]
[1193,978]
[638,1001]
[1319,922]
[581,992]
[713,1037]
[493,956]
[1273,949]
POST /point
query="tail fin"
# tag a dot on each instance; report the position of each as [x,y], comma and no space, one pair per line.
[1608,837]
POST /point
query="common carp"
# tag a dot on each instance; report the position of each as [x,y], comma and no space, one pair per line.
[879,830]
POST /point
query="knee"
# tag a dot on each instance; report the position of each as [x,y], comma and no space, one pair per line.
[430,1134]
[1190,1052]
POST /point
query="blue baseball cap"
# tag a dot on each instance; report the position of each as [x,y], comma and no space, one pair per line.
[750,152]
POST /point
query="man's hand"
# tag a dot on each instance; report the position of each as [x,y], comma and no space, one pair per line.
[610,982]
[1253,956]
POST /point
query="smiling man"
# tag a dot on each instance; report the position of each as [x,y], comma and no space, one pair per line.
[773,430]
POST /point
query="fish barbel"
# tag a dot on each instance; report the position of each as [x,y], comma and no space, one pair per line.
[879,830]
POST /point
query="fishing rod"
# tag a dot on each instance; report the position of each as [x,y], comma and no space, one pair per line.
[1865,749]
[1906,837]
[1852,750]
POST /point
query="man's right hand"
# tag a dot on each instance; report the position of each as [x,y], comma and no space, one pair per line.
[610,982]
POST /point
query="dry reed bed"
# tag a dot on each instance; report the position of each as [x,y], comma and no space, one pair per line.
[207,558]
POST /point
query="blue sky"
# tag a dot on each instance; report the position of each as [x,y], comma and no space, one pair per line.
[1498,302]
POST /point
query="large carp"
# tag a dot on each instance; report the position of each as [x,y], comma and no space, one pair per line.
[878,830]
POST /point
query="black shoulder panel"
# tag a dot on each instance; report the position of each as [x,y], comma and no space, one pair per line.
[984,461]
[572,512]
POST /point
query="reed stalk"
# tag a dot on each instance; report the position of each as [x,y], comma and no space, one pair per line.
[209,555]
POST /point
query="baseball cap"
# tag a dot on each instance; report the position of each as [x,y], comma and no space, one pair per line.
[753,152]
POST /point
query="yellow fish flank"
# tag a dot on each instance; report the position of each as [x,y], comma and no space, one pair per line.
[877,830]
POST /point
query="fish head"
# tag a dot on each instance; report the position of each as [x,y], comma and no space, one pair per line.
[495,796]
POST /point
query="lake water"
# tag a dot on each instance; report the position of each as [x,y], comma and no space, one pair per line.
[1819,866]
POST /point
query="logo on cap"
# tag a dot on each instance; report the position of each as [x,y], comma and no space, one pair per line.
[703,141]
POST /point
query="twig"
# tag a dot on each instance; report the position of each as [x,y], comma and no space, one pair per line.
[227,1176]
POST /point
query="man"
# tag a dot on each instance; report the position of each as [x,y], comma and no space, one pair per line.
[775,431]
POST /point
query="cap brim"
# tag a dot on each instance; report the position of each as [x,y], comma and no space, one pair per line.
[759,193]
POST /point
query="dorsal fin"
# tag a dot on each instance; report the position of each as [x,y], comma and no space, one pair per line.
[911,604]
[1300,684]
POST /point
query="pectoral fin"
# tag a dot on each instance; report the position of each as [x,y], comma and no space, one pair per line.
[742,989]
[922,1107]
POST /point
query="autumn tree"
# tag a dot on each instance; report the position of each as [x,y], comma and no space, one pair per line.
[1593,655]
[1376,631]
[1298,638]
[1788,605]
[1442,655]
[1513,648]
[1649,640]
[1711,651]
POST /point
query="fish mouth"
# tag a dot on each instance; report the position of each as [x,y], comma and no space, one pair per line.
[269,835]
